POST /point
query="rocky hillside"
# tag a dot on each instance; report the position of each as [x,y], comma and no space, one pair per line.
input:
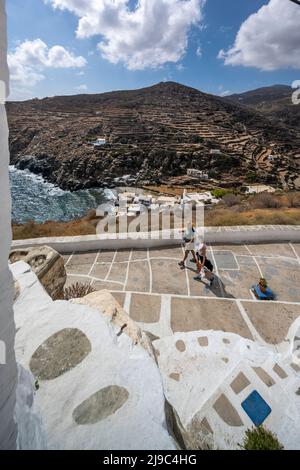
[154,135]
[275,102]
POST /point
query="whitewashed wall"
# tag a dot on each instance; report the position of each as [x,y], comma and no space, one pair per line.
[231,235]
[8,371]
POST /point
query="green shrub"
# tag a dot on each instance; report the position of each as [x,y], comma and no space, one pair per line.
[260,439]
[220,193]
[250,177]
[196,139]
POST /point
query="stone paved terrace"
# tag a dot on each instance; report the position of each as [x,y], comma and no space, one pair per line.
[165,299]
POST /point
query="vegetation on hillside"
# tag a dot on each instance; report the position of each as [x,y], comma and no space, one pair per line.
[234,209]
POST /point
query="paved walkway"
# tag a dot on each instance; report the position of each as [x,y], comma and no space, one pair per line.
[165,299]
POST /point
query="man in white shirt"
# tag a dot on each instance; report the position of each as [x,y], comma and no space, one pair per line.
[204,265]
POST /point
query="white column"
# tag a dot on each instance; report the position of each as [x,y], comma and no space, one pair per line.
[8,370]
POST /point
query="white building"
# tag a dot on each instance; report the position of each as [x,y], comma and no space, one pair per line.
[215,152]
[127,197]
[197,174]
[259,188]
[167,201]
[145,200]
[99,142]
[199,198]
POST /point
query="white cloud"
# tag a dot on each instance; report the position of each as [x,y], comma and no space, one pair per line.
[199,51]
[223,92]
[30,59]
[81,87]
[226,93]
[180,67]
[148,35]
[269,39]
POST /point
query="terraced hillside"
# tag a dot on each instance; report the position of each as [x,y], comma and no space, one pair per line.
[274,101]
[154,135]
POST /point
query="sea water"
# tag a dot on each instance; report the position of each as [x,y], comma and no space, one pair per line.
[35,199]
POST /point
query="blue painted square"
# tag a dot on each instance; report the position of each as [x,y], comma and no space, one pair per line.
[256,408]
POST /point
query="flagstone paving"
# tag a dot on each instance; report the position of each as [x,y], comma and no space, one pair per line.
[163,298]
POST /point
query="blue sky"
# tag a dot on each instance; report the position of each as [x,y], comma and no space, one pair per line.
[142,43]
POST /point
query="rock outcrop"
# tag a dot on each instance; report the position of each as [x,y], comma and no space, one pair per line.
[106,304]
[98,389]
[47,264]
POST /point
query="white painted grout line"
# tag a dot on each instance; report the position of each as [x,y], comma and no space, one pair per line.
[142,259]
[195,297]
[236,260]
[248,249]
[111,265]
[268,257]
[252,294]
[127,270]
[205,297]
[253,331]
[217,272]
[233,254]
[69,259]
[94,263]
[87,276]
[295,252]
[150,272]
[187,281]
[258,267]
[127,302]
[165,315]
[214,260]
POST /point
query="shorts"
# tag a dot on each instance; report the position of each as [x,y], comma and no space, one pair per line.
[208,265]
[189,246]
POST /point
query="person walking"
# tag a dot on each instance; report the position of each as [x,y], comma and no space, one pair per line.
[204,265]
[189,244]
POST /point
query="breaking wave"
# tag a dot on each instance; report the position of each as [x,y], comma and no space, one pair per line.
[33,198]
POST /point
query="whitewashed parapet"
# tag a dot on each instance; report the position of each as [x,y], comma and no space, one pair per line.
[253,233]
[232,235]
[8,367]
